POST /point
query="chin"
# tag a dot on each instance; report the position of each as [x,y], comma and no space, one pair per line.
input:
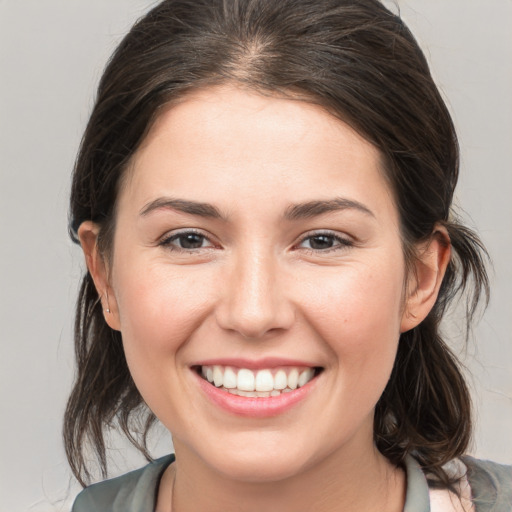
[262,467]
[255,459]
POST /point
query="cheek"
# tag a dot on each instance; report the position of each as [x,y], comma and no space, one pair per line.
[358,312]
[159,309]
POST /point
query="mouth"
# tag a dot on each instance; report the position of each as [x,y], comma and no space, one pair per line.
[261,383]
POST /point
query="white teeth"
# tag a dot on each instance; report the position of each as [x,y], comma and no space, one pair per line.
[229,378]
[251,394]
[293,379]
[263,383]
[305,377]
[218,376]
[245,381]
[280,380]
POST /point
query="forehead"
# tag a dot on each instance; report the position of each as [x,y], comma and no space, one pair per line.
[246,141]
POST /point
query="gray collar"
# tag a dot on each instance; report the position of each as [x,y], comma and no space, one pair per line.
[417,497]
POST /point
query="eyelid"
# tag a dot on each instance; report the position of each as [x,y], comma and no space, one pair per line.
[165,240]
[343,241]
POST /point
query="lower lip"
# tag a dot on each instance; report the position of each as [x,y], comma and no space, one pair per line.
[255,407]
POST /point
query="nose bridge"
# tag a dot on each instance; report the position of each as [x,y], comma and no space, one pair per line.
[255,302]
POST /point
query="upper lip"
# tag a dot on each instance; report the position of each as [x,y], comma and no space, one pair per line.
[255,364]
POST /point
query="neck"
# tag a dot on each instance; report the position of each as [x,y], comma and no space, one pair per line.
[366,482]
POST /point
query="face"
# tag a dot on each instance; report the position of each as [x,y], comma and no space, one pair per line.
[257,245]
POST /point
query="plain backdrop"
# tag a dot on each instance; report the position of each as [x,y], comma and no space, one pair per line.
[51,56]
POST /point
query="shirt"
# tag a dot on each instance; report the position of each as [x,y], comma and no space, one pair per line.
[490,483]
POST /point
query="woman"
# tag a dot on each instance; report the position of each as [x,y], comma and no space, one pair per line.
[263,199]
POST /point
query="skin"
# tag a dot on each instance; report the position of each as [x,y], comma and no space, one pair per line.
[258,286]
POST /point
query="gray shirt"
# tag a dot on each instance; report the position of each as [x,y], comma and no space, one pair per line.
[491,488]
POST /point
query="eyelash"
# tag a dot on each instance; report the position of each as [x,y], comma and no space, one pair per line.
[340,242]
[167,241]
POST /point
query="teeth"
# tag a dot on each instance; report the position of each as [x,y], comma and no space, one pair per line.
[293,379]
[229,381]
[263,383]
[218,376]
[245,380]
[280,380]
[305,376]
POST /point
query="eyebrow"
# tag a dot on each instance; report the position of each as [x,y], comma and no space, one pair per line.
[315,208]
[182,205]
[294,212]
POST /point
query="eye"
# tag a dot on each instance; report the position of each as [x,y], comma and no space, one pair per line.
[186,241]
[324,242]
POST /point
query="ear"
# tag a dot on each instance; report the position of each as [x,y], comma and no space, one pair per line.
[99,270]
[432,258]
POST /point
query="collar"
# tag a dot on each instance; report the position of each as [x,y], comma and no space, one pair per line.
[417,495]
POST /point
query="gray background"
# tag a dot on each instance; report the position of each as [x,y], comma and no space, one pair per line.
[51,56]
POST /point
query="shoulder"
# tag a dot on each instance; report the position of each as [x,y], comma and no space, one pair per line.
[491,484]
[132,492]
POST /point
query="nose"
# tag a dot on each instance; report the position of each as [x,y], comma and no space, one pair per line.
[254,300]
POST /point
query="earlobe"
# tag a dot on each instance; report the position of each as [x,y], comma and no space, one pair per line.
[98,268]
[425,280]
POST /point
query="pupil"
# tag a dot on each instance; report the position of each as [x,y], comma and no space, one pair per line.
[191,241]
[321,242]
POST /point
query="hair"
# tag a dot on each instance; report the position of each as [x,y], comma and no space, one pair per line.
[361,63]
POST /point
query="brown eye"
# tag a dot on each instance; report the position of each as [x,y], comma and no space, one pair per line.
[320,242]
[190,241]
[324,242]
[186,241]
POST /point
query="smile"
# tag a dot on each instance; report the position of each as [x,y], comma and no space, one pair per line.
[261,383]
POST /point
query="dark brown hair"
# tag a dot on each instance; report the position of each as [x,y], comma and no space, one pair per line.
[361,63]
